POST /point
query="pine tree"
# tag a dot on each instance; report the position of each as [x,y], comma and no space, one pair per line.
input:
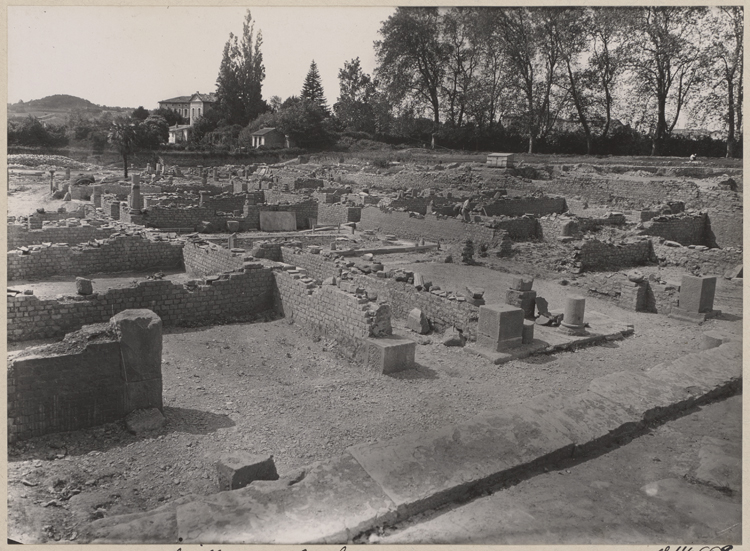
[312,89]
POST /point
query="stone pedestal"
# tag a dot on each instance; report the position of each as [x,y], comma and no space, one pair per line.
[136,178]
[527,337]
[96,196]
[500,327]
[390,354]
[572,322]
[697,293]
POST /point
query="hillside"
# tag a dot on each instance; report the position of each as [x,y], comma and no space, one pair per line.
[55,109]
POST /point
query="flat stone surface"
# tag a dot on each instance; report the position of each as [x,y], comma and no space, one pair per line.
[238,469]
[691,502]
[720,464]
[642,395]
[585,418]
[420,471]
[333,502]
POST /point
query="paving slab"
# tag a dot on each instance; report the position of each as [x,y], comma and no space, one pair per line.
[420,471]
[334,501]
[642,395]
[694,503]
[720,464]
[588,419]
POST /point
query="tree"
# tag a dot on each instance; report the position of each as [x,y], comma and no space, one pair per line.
[355,107]
[241,74]
[139,114]
[459,30]
[128,136]
[170,115]
[721,100]
[124,137]
[411,58]
[274,104]
[312,88]
[664,62]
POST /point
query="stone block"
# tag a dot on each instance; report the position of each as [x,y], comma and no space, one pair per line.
[522,283]
[84,286]
[390,354]
[712,339]
[139,333]
[418,322]
[144,420]
[542,306]
[697,293]
[525,300]
[233,225]
[500,321]
[238,469]
[453,337]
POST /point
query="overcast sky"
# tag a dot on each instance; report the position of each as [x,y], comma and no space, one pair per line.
[131,56]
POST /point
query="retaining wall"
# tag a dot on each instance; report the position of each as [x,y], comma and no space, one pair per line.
[208,258]
[116,254]
[708,261]
[685,229]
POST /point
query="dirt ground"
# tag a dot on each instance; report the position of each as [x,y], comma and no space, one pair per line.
[266,388]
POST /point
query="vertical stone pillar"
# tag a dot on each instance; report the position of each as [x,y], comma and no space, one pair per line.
[136,202]
[202,198]
[231,241]
[573,318]
[67,174]
[52,181]
[521,296]
[149,170]
[158,168]
[96,196]
[214,174]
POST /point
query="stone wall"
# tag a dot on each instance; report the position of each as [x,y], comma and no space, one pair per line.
[724,207]
[239,295]
[706,261]
[402,296]
[518,206]
[685,229]
[592,254]
[119,253]
[37,219]
[180,217]
[431,227]
[441,312]
[329,311]
[203,258]
[338,213]
[111,206]
[50,391]
[21,236]
[303,212]
[521,228]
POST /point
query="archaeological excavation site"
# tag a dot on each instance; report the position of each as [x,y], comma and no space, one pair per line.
[329,350]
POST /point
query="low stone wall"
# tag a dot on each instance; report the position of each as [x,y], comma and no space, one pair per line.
[338,213]
[21,236]
[442,312]
[98,382]
[36,220]
[111,206]
[203,258]
[685,229]
[520,228]
[431,227]
[303,212]
[179,217]
[706,261]
[240,295]
[592,254]
[116,254]
[329,311]
[402,297]
[518,206]
[119,253]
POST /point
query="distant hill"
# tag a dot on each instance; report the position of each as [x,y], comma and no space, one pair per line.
[55,109]
[58,101]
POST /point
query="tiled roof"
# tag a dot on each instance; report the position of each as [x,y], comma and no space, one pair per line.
[206,98]
[178,99]
[263,131]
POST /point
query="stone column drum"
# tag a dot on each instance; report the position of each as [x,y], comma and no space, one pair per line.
[573,318]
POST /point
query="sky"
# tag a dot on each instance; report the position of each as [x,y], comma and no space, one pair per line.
[133,56]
